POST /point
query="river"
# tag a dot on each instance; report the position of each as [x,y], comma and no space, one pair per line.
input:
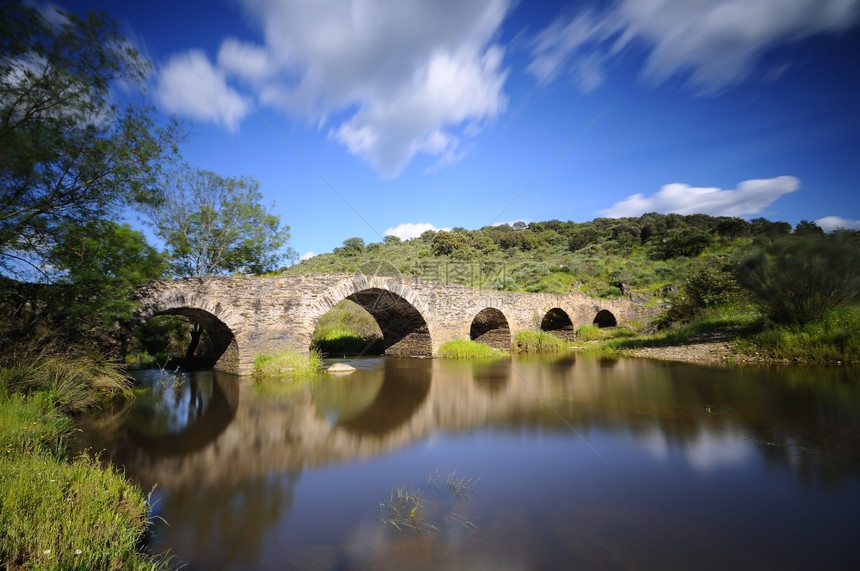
[573,463]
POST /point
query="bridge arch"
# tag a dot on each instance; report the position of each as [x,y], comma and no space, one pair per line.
[605,318]
[558,322]
[398,311]
[490,327]
[225,350]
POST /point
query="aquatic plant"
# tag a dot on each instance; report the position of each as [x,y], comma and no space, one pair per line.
[402,510]
[539,342]
[468,349]
[408,508]
[286,365]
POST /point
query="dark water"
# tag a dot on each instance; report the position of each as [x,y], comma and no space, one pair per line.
[581,463]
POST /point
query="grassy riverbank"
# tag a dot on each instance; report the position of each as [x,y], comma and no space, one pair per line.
[58,512]
[739,333]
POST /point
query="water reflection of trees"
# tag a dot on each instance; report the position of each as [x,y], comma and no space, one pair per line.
[804,419]
[187,415]
[801,418]
[234,516]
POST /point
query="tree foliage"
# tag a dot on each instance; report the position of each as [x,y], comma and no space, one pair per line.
[691,262]
[797,279]
[215,225]
[351,246]
[104,263]
[67,154]
[450,244]
[688,242]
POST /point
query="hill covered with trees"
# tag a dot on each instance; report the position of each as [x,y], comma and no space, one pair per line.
[792,292]
[648,256]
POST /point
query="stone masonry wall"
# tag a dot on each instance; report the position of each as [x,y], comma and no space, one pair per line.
[267,314]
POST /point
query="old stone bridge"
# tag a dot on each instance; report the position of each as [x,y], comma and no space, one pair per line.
[248,316]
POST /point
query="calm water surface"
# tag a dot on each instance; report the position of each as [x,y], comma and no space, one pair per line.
[579,463]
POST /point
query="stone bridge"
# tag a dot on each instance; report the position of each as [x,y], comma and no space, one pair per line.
[248,316]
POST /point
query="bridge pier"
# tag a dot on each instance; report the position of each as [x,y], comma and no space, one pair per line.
[249,316]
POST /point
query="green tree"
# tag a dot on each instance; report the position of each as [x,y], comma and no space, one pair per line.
[731,228]
[688,242]
[582,236]
[215,225]
[805,227]
[797,279]
[68,155]
[102,264]
[351,247]
[764,228]
[449,244]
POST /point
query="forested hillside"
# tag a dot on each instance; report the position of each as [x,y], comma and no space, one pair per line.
[645,257]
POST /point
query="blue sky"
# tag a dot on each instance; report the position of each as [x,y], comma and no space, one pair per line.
[374,117]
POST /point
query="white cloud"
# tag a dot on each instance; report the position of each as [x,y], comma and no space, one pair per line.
[403,78]
[447,89]
[190,85]
[717,43]
[831,223]
[574,44]
[307,256]
[410,230]
[750,197]
[246,61]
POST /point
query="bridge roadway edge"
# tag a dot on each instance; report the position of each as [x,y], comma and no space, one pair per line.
[266,314]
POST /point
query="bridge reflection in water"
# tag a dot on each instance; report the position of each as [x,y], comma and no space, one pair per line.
[578,457]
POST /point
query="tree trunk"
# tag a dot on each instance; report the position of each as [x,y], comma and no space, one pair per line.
[196,333]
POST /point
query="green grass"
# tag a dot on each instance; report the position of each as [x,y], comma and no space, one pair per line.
[833,339]
[468,349]
[78,515]
[31,426]
[588,333]
[73,383]
[404,510]
[347,329]
[286,365]
[534,342]
[55,513]
[341,342]
[719,323]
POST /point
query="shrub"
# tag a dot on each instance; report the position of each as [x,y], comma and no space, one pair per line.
[688,242]
[797,279]
[712,284]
